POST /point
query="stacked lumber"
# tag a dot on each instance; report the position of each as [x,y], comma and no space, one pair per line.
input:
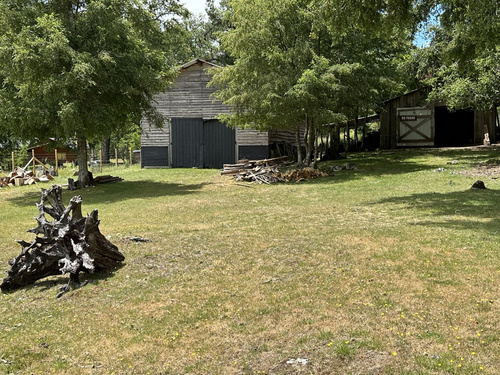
[20,177]
[105,179]
[261,171]
[245,164]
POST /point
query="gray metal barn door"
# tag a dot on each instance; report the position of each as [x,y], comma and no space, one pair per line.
[219,144]
[187,142]
[201,144]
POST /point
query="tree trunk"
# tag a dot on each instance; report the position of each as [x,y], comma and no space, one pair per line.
[356,140]
[306,143]
[316,151]
[348,132]
[70,244]
[311,134]
[363,142]
[356,125]
[330,153]
[300,158]
[83,170]
[336,139]
[105,150]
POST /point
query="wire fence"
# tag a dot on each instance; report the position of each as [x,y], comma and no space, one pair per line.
[56,159]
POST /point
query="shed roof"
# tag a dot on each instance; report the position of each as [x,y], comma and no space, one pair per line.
[405,94]
[51,142]
[197,61]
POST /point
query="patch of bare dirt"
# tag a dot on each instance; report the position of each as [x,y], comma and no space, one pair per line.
[370,362]
[489,169]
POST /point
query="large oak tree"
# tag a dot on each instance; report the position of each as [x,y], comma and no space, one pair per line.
[81,69]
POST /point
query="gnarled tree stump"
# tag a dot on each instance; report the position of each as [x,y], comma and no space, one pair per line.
[70,244]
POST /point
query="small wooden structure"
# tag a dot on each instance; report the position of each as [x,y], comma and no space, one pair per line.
[192,135]
[45,152]
[410,120]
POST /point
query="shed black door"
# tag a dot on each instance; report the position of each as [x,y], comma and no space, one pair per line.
[187,142]
[219,144]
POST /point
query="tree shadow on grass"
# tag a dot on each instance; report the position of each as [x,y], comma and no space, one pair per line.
[114,192]
[368,167]
[461,210]
[403,161]
[56,281]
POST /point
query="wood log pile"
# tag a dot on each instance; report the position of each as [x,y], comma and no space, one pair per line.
[69,244]
[302,174]
[105,179]
[267,171]
[260,171]
[21,177]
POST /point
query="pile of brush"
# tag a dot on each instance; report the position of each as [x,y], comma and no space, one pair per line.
[267,171]
[261,171]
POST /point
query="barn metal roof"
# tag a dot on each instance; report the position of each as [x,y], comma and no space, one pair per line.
[406,93]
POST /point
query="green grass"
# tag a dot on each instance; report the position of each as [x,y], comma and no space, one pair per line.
[392,268]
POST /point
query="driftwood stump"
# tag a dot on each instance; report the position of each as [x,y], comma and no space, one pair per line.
[70,244]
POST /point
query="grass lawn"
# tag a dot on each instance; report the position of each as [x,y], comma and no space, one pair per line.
[393,268]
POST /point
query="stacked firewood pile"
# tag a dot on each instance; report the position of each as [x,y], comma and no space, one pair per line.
[303,174]
[267,171]
[21,177]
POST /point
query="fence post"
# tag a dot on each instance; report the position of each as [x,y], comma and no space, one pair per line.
[57,161]
[34,164]
[13,162]
[116,157]
[130,156]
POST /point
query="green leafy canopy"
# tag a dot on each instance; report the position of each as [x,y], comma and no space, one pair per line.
[303,60]
[81,68]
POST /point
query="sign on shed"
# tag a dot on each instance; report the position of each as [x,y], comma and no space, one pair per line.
[415,127]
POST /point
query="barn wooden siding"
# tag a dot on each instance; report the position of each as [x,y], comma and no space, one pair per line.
[252,144]
[189,97]
[389,115]
[482,119]
[152,136]
[279,136]
[418,98]
[47,153]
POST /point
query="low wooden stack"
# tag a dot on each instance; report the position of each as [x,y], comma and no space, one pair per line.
[21,177]
[106,178]
[261,171]
[267,171]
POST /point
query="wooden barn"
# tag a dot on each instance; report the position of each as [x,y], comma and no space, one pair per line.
[410,120]
[192,135]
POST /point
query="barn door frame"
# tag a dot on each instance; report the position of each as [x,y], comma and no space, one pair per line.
[418,123]
[195,141]
[186,142]
[219,144]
